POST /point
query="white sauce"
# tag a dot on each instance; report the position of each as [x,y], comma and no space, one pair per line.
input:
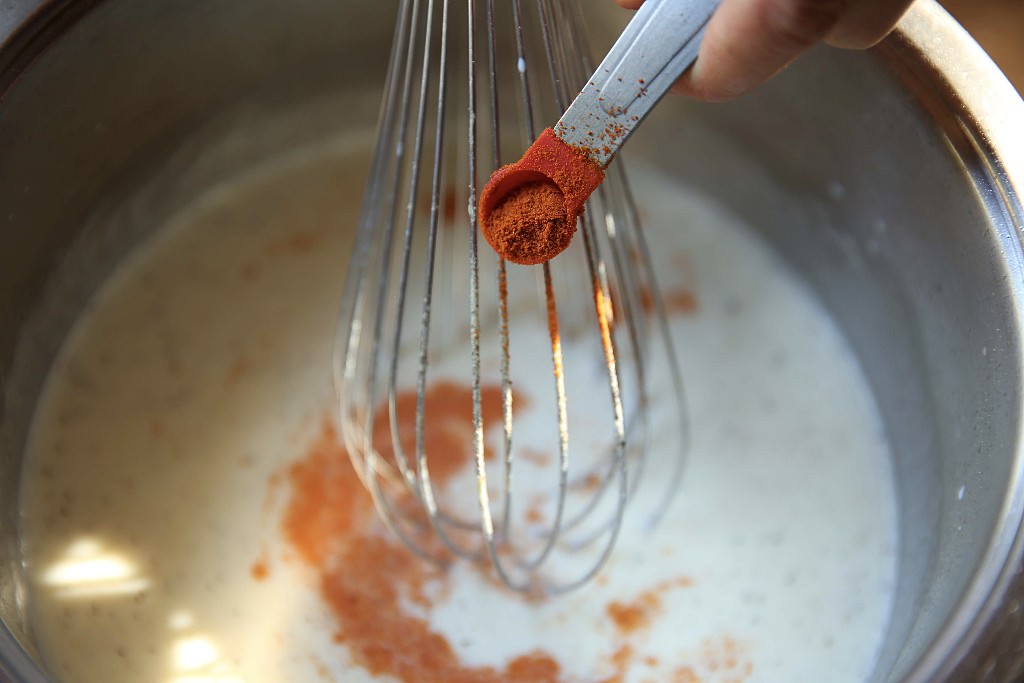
[202,368]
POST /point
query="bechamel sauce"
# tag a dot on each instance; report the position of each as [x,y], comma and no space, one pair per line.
[201,370]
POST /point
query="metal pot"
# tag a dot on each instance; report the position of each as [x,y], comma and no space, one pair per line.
[890,180]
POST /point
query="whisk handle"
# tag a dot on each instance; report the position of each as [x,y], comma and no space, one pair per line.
[655,48]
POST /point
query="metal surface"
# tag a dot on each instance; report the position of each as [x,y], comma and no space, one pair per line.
[890,180]
[983,640]
[660,42]
[447,49]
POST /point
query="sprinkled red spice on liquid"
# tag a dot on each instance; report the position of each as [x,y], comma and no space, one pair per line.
[629,617]
[675,301]
[370,582]
[366,576]
[259,570]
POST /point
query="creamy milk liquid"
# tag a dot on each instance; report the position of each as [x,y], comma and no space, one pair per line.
[201,371]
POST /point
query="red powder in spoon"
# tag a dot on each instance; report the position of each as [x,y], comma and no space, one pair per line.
[528,209]
[529,225]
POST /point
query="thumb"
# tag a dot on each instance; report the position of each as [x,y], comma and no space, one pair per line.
[749,41]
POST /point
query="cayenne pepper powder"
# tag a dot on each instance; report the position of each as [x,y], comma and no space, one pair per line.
[367,577]
[529,226]
[518,214]
[379,595]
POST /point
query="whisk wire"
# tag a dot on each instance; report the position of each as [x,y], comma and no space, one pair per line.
[680,414]
[399,456]
[427,492]
[502,278]
[487,523]
[387,345]
[388,154]
[556,359]
[550,26]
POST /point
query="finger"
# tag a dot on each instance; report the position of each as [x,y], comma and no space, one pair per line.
[630,4]
[866,22]
[749,41]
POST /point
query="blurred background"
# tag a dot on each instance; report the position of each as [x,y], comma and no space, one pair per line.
[999,26]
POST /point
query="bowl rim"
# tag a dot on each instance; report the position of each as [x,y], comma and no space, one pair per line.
[957,82]
[955,79]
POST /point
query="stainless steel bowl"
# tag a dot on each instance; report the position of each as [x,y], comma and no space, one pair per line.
[891,180]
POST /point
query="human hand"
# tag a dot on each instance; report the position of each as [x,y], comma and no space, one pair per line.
[749,41]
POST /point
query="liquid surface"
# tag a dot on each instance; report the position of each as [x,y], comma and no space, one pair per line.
[187,421]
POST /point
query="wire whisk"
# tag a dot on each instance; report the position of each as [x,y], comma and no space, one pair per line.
[495,412]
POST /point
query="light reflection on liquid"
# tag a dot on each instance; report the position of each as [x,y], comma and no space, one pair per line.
[90,570]
[197,659]
[180,620]
[207,678]
[194,652]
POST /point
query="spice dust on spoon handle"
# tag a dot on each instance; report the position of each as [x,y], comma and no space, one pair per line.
[516,210]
